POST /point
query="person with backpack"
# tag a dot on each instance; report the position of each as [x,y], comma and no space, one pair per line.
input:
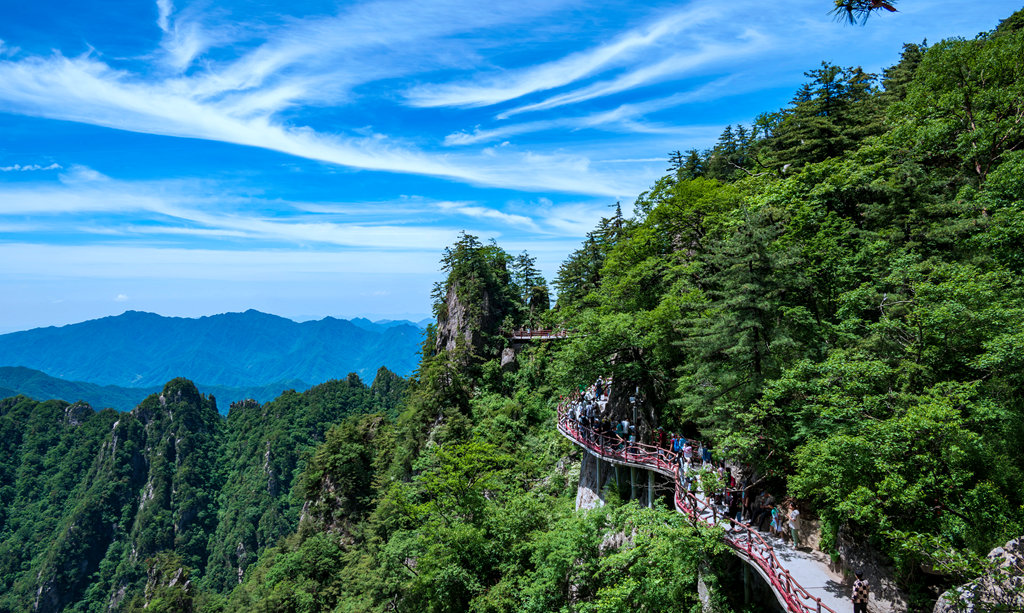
[861,590]
[688,452]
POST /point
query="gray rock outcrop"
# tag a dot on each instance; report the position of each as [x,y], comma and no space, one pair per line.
[463,324]
[885,594]
[508,360]
[999,589]
[594,476]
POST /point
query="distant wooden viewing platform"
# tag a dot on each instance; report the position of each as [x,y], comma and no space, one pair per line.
[537,335]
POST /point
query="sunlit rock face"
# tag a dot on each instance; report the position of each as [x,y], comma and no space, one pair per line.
[1000,589]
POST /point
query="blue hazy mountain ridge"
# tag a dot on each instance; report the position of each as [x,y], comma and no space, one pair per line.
[18,380]
[238,350]
[366,324]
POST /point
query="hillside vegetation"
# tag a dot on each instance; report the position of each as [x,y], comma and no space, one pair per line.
[832,296]
[93,503]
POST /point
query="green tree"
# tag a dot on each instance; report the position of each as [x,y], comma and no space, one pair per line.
[852,10]
[963,111]
[831,114]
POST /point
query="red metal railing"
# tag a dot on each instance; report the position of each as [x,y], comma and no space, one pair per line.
[740,537]
[542,334]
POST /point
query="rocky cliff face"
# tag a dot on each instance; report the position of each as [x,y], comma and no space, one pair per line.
[594,476]
[465,324]
[885,594]
[1000,589]
[148,490]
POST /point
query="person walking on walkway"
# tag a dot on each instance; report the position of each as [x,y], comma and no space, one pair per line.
[794,517]
[764,509]
[860,593]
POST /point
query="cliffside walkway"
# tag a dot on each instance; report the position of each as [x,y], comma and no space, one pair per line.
[537,335]
[800,581]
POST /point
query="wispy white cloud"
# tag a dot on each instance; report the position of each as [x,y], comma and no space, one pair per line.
[244,93]
[623,118]
[674,66]
[368,41]
[174,212]
[483,212]
[87,90]
[164,8]
[90,204]
[32,260]
[184,43]
[486,90]
[607,121]
[6,50]
[574,219]
[29,167]
[633,160]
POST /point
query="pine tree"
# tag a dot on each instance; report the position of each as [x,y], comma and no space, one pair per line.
[853,10]
[828,116]
[694,166]
[721,164]
[676,162]
[531,286]
[580,273]
[895,79]
[733,342]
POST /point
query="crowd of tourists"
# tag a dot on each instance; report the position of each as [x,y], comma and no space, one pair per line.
[699,470]
[738,500]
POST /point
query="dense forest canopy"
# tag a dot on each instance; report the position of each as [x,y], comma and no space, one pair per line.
[832,296]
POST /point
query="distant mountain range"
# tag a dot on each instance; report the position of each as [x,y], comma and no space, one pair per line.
[233,350]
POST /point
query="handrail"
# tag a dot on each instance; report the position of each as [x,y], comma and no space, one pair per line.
[547,333]
[747,541]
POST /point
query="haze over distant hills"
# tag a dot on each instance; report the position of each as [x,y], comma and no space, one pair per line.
[18,380]
[239,350]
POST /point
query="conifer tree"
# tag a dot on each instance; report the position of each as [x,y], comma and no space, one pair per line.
[733,341]
[852,10]
[895,79]
[676,162]
[828,116]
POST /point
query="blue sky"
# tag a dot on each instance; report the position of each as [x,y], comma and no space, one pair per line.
[313,158]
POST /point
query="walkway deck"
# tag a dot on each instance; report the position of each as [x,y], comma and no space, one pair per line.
[537,335]
[801,580]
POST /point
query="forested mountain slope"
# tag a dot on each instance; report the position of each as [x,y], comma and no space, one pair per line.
[247,349]
[92,502]
[831,297]
[835,296]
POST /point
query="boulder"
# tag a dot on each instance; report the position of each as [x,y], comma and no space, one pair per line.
[1001,588]
[508,360]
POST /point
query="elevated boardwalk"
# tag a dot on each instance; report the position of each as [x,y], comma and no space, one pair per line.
[800,580]
[537,335]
